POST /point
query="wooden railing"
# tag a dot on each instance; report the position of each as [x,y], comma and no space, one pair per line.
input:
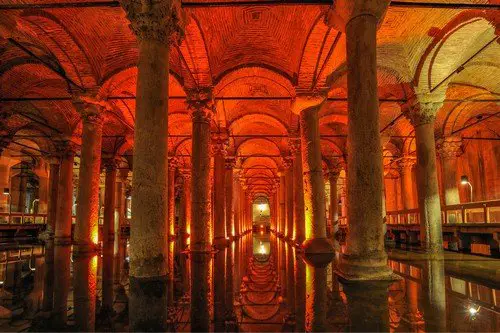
[22,218]
[471,212]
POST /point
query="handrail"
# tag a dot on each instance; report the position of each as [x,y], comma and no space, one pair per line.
[487,211]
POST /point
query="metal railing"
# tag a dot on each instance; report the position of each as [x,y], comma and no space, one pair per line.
[471,212]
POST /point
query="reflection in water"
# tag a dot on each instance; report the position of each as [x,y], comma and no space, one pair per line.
[259,283]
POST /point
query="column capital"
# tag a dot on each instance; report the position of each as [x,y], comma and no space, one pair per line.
[173,163]
[109,164]
[343,11]
[294,145]
[230,162]
[334,172]
[185,173]
[161,21]
[287,161]
[65,148]
[422,109]
[219,145]
[89,106]
[308,101]
[406,162]
[450,147]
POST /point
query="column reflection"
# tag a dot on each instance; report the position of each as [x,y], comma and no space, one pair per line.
[200,289]
[84,284]
[219,290]
[316,298]
[367,306]
[62,265]
[434,297]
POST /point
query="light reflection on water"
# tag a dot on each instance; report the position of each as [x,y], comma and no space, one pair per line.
[263,285]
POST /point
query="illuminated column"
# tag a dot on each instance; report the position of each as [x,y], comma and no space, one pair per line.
[218,148]
[282,212]
[298,193]
[449,149]
[108,234]
[172,166]
[52,198]
[228,183]
[158,26]
[120,203]
[200,104]
[422,117]
[87,215]
[64,196]
[365,256]
[314,185]
[236,203]
[288,163]
[333,176]
[406,164]
[185,227]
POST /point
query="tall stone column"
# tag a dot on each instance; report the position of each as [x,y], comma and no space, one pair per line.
[48,288]
[52,202]
[333,176]
[406,164]
[64,197]
[449,149]
[298,193]
[365,257]
[108,235]
[218,204]
[86,234]
[282,198]
[229,201]
[172,167]
[314,185]
[422,117]
[236,203]
[289,198]
[200,104]
[185,227]
[158,26]
[120,204]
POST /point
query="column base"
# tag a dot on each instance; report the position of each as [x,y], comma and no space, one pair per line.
[85,248]
[318,251]
[365,268]
[220,242]
[148,304]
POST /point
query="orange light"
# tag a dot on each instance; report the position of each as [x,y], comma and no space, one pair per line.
[95,235]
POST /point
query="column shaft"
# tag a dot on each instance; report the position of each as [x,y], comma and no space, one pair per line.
[314,184]
[428,191]
[87,215]
[52,204]
[108,233]
[298,206]
[64,200]
[149,235]
[289,201]
[171,230]
[230,230]
[365,257]
[218,204]
[334,202]
[282,212]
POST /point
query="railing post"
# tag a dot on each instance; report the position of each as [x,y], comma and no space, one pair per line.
[464,215]
[445,213]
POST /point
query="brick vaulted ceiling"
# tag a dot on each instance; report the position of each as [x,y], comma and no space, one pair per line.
[256,58]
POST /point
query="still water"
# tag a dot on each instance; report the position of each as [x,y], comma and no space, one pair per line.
[259,283]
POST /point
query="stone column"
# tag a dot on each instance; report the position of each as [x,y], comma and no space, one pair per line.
[289,198]
[120,203]
[108,235]
[172,166]
[365,256]
[236,204]
[422,117]
[333,176]
[52,202]
[314,185]
[5,165]
[158,26]
[282,212]
[200,103]
[298,199]
[64,198]
[86,235]
[228,183]
[219,152]
[449,149]
[406,164]
[185,227]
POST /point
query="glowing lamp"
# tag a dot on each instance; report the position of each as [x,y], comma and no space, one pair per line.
[262,207]
[6,191]
[464,180]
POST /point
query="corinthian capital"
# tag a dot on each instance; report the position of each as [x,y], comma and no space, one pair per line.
[158,20]
[450,147]
[422,109]
[200,103]
[89,106]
